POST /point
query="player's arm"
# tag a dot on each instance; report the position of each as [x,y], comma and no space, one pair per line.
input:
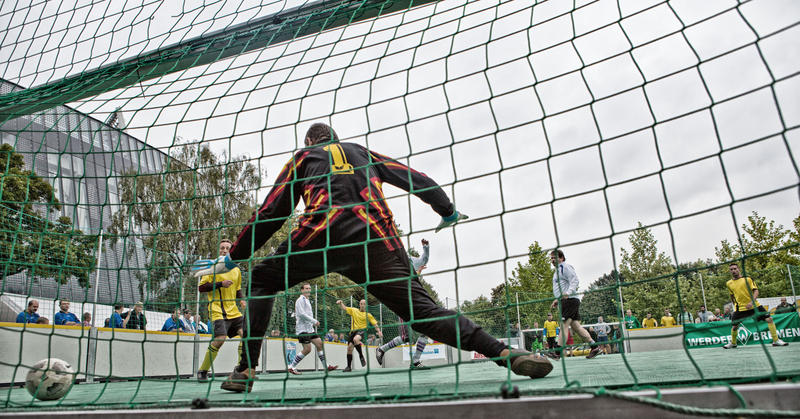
[375,324]
[127,318]
[239,293]
[572,276]
[277,207]
[395,173]
[341,304]
[300,311]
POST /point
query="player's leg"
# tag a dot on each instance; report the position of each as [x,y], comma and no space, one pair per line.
[211,352]
[397,341]
[317,341]
[776,340]
[422,342]
[448,327]
[350,347]
[299,357]
[268,278]
[584,334]
[357,344]
[736,319]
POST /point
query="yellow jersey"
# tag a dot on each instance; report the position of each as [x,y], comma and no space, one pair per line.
[668,321]
[359,318]
[222,301]
[550,327]
[740,290]
[651,322]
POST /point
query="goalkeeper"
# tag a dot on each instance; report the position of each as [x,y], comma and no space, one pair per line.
[341,186]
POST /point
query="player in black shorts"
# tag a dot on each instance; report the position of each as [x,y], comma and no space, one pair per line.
[306,328]
[358,324]
[565,289]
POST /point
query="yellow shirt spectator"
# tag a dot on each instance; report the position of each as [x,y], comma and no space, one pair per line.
[651,322]
[221,300]
[668,321]
[358,318]
[550,327]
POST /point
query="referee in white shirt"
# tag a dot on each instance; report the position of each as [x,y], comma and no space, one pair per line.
[565,289]
[307,330]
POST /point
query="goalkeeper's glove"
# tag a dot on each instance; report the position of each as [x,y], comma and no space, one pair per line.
[451,219]
[219,265]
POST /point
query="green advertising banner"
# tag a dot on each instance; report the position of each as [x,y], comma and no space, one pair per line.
[701,335]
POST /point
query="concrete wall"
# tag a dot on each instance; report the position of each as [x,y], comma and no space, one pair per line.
[655,339]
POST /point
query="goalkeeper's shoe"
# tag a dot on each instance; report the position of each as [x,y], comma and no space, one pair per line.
[531,365]
[238,382]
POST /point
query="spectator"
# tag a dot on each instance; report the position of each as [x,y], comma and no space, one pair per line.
[173,323]
[200,327]
[667,320]
[330,336]
[107,322]
[686,317]
[275,333]
[186,321]
[603,329]
[631,322]
[727,315]
[87,319]
[342,338]
[514,330]
[616,334]
[43,320]
[64,317]
[116,321]
[592,333]
[704,315]
[136,319]
[717,315]
[29,315]
[649,321]
[785,307]
[371,340]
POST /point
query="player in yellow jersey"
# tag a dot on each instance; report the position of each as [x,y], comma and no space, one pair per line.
[550,327]
[744,295]
[358,324]
[649,321]
[222,291]
[667,320]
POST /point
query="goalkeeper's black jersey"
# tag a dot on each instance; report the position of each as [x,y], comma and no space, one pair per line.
[341,185]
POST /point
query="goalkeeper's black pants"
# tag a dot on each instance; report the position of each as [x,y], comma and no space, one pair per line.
[397,281]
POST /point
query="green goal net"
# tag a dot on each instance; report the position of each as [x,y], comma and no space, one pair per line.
[654,143]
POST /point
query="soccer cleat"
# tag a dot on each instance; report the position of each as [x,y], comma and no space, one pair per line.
[418,366]
[553,355]
[729,346]
[348,369]
[294,371]
[594,352]
[238,382]
[332,367]
[779,342]
[379,356]
[363,362]
[202,376]
[531,365]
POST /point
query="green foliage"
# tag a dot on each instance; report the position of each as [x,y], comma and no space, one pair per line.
[601,299]
[200,198]
[28,240]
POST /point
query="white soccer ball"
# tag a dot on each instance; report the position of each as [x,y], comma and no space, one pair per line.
[49,379]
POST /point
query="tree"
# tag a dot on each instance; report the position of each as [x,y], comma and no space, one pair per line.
[182,213]
[648,285]
[533,281]
[29,241]
[601,299]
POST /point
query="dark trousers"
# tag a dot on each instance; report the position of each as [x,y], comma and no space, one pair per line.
[378,263]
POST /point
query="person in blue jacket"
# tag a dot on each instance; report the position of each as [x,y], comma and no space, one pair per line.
[64,317]
[29,315]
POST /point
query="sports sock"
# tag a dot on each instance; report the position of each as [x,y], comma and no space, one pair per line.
[241,345]
[421,343]
[297,358]
[391,344]
[360,354]
[211,355]
[734,335]
[321,355]
[349,360]
[773,331]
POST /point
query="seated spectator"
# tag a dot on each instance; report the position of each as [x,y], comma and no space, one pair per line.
[173,322]
[200,327]
[704,315]
[64,317]
[649,321]
[785,307]
[87,319]
[29,315]
[116,321]
[107,322]
[330,336]
[727,315]
[275,333]
[686,317]
[186,321]
[667,320]
[371,340]
[717,315]
[342,338]
[43,320]
[136,319]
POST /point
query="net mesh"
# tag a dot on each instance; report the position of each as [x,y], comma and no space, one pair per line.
[653,142]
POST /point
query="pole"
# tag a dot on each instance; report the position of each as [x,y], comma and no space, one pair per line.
[197,321]
[90,353]
[703,290]
[519,324]
[791,282]
[316,316]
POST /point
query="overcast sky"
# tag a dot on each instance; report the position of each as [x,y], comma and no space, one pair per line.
[542,124]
